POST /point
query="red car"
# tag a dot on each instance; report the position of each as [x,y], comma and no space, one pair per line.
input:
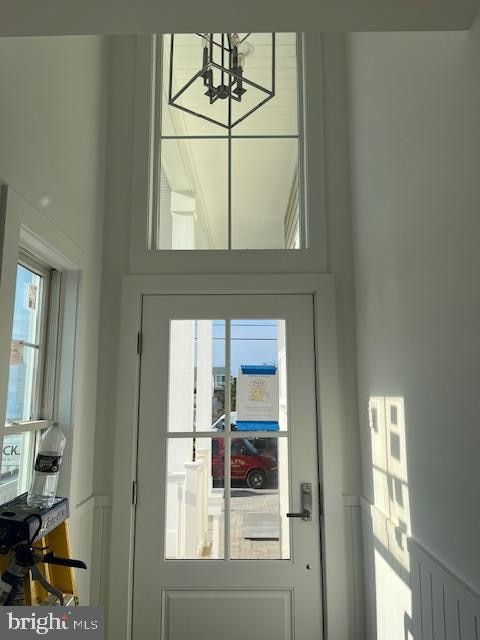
[248,464]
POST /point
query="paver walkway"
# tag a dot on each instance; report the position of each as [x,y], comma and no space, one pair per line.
[250,501]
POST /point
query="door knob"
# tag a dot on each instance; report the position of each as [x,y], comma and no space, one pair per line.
[306,498]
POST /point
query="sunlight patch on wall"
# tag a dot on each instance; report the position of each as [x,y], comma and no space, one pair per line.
[391,524]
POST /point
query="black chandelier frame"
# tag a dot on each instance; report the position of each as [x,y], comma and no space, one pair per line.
[235,78]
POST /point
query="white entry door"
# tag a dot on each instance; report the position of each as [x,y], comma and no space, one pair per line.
[227,448]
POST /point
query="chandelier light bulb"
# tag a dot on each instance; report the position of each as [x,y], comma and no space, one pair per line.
[235,39]
[246,49]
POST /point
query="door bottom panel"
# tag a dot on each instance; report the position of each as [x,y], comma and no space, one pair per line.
[211,614]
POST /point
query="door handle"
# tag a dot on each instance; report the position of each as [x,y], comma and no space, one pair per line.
[306,497]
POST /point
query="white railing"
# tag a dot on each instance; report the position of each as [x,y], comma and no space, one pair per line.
[187,508]
[174,516]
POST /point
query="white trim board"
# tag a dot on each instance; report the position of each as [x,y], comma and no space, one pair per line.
[331,453]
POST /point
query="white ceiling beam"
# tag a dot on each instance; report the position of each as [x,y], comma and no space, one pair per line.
[65,17]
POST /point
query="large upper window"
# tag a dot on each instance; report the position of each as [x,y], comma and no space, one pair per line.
[218,186]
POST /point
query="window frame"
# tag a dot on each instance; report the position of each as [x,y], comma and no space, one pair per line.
[312,259]
[45,392]
[153,239]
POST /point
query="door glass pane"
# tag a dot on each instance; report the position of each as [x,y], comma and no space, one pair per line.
[196,393]
[258,487]
[259,528]
[258,370]
[219,375]
[194,518]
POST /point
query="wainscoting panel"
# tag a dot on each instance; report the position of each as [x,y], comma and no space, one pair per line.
[90,533]
[444,608]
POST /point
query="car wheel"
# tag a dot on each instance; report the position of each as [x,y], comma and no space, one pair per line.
[256,479]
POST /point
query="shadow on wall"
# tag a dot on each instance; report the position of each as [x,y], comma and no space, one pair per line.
[389,522]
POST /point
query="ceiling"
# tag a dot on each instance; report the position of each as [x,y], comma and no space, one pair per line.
[63,17]
[277,117]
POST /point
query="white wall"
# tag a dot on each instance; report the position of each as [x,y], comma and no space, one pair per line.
[52,132]
[51,128]
[415,140]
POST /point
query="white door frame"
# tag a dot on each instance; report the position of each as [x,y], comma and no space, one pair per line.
[336,593]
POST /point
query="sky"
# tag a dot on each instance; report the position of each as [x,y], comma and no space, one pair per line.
[253,342]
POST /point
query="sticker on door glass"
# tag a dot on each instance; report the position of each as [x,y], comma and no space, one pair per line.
[257,398]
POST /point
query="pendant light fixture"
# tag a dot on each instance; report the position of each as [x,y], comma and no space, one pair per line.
[223,73]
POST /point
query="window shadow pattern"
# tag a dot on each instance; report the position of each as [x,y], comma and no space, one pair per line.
[389,523]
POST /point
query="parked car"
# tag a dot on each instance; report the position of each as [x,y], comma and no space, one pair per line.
[267,446]
[247,463]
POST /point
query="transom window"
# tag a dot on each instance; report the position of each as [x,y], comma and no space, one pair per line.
[221,187]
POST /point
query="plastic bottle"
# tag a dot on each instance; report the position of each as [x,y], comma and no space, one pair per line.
[45,476]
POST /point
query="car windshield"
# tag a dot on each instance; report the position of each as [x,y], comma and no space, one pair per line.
[219,425]
[249,446]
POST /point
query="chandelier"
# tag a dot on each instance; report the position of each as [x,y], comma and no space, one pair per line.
[223,74]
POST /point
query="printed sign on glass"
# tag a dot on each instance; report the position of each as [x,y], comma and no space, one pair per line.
[257,398]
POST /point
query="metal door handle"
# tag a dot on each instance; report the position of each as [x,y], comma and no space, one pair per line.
[306,496]
[305,515]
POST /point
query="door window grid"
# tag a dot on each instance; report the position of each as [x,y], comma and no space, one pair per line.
[160,225]
[31,402]
[230,437]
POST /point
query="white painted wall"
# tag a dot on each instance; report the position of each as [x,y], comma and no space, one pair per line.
[52,132]
[51,128]
[415,140]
